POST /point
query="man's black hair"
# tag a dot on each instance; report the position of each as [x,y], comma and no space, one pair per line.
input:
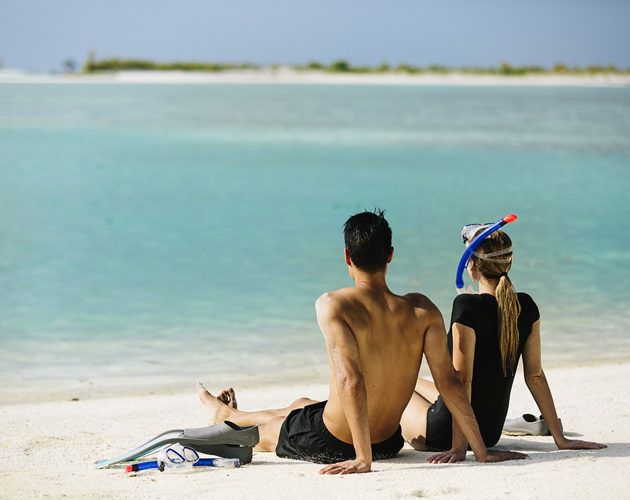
[368,239]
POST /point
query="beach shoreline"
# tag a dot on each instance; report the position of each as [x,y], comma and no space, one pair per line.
[49,449]
[289,76]
[101,387]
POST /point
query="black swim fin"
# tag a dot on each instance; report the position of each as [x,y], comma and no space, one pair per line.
[225,440]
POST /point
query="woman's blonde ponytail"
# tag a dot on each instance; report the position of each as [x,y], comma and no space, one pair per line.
[495,267]
[509,310]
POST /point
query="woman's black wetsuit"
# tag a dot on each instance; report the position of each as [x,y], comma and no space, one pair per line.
[490,389]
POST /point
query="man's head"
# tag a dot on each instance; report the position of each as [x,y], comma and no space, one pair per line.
[368,241]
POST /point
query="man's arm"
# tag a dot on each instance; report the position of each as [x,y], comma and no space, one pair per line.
[344,355]
[538,386]
[464,340]
[452,392]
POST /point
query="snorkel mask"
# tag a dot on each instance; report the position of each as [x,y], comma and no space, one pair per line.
[468,235]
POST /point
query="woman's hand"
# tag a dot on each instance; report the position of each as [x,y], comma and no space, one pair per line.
[576,444]
[448,457]
[347,467]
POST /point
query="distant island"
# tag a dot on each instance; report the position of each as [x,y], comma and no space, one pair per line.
[340,72]
[342,66]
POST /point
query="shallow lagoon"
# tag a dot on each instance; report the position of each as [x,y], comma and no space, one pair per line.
[155,234]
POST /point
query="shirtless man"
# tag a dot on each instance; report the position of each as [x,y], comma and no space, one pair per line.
[375,340]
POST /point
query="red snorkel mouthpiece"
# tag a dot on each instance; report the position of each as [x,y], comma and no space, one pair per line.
[509,218]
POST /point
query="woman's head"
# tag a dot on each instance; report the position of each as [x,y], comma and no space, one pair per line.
[492,260]
[493,257]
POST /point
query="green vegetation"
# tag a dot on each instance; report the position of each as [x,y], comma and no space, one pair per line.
[339,67]
[314,65]
[94,66]
[405,68]
[342,66]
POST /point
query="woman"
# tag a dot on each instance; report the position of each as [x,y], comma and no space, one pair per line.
[489,332]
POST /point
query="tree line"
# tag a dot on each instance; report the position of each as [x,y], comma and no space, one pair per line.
[342,66]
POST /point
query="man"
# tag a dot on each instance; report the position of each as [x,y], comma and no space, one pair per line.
[375,340]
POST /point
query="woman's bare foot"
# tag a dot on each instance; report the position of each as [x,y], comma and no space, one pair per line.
[228,397]
[219,411]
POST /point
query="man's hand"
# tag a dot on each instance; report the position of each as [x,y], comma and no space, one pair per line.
[576,444]
[347,467]
[501,456]
[448,457]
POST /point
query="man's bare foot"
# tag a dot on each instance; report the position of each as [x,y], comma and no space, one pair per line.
[228,397]
[219,411]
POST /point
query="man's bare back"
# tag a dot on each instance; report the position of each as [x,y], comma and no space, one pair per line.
[389,332]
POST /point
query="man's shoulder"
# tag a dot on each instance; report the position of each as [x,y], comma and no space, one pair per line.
[332,302]
[334,295]
[422,305]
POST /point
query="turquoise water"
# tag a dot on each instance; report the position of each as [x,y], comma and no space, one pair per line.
[155,234]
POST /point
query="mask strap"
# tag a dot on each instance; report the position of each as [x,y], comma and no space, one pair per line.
[494,254]
[490,259]
[489,256]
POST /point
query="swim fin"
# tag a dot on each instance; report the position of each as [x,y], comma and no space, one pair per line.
[226,440]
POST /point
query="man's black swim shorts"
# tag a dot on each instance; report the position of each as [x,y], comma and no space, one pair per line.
[304,436]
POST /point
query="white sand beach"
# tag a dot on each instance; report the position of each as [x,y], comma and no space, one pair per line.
[285,75]
[49,449]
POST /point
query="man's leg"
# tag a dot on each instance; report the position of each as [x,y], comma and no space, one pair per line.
[269,434]
[219,411]
[270,421]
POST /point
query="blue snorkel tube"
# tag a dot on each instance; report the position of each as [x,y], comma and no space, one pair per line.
[459,277]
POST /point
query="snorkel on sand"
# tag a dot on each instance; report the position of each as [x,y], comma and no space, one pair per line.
[468,233]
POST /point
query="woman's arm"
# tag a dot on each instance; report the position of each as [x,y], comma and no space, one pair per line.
[538,386]
[464,340]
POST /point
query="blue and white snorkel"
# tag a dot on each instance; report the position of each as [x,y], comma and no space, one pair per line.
[488,229]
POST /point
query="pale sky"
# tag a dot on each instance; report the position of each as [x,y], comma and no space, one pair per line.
[40,34]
